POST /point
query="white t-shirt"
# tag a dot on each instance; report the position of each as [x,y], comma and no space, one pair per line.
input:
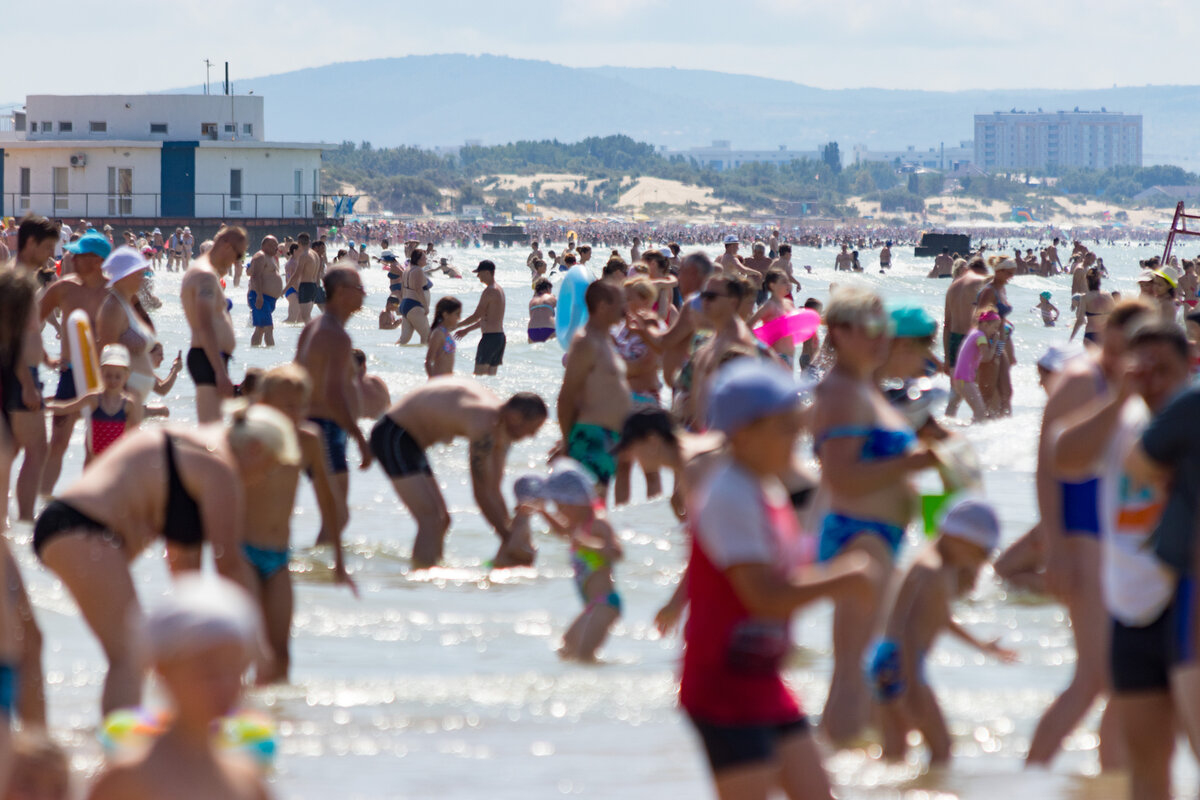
[1137,586]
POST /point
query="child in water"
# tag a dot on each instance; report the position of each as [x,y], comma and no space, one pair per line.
[200,641]
[943,572]
[1048,309]
[439,358]
[541,312]
[113,412]
[578,516]
[974,350]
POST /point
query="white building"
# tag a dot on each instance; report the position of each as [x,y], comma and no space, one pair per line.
[941,158]
[1026,140]
[721,156]
[159,159]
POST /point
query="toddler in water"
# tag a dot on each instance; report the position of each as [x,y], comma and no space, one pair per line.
[974,350]
[579,516]
[113,412]
[1048,309]
[944,571]
[201,641]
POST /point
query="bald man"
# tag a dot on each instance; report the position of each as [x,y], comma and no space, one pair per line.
[207,315]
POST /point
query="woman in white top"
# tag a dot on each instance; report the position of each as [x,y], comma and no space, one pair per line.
[122,320]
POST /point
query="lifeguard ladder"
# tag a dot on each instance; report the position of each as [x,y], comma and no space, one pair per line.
[1179,226]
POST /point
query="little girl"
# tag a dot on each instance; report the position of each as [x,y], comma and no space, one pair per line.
[579,516]
[113,412]
[974,350]
[439,358]
[1049,312]
[541,312]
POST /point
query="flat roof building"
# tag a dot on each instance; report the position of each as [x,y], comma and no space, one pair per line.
[1051,141]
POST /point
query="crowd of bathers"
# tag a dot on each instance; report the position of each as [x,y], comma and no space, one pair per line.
[675,362]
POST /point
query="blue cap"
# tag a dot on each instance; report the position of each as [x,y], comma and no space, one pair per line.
[352,244]
[93,243]
[747,390]
[912,322]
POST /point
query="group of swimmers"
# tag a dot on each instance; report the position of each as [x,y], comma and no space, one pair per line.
[662,373]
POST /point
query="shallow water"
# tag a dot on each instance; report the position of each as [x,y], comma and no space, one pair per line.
[446,683]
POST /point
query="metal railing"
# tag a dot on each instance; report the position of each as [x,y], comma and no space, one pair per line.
[150,204]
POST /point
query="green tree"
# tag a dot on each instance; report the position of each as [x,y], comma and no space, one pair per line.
[832,156]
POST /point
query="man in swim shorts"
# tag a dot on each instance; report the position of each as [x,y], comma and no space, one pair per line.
[265,287]
[208,316]
[442,411]
[304,280]
[594,400]
[326,351]
[488,318]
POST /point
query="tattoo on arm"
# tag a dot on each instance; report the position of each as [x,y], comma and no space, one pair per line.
[480,451]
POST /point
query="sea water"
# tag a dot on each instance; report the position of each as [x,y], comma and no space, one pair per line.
[445,683]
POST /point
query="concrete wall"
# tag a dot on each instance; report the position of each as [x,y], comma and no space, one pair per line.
[268,173]
[130,116]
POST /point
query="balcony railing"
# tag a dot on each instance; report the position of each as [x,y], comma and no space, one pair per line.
[150,204]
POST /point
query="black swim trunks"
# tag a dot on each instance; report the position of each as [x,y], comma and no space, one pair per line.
[397,451]
[491,350]
[308,292]
[58,518]
[201,370]
[66,385]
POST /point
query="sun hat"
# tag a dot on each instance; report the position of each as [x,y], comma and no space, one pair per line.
[1007,263]
[731,239]
[972,521]
[1166,276]
[388,255]
[1056,357]
[115,355]
[93,243]
[123,262]
[1146,276]
[201,612]
[747,390]
[569,483]
[912,322]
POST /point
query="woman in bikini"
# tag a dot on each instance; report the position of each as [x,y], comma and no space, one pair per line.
[185,485]
[868,453]
[122,320]
[1093,310]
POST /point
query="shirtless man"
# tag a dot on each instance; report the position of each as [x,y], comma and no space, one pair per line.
[594,400]
[1079,273]
[1052,256]
[784,263]
[442,411]
[287,389]
[208,317]
[290,293]
[758,264]
[266,285]
[534,255]
[635,252]
[959,316]
[304,281]
[86,289]
[730,260]
[676,343]
[326,351]
[773,245]
[885,256]
[943,265]
[413,310]
[318,249]
[844,261]
[488,318]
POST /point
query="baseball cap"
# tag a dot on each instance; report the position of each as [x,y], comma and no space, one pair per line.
[569,483]
[201,612]
[1166,276]
[1007,263]
[1146,276]
[91,243]
[912,322]
[485,266]
[275,431]
[747,390]
[731,239]
[666,252]
[972,521]
[123,262]
[115,355]
[388,255]
[642,424]
[1056,357]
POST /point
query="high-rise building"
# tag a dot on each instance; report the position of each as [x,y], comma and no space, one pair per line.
[1037,140]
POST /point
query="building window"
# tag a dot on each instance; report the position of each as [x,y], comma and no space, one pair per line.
[235,190]
[208,129]
[247,129]
[97,127]
[229,127]
[58,183]
[25,181]
[298,190]
[63,127]
[158,127]
[120,191]
[33,127]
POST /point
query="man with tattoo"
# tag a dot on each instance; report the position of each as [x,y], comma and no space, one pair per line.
[208,316]
[442,411]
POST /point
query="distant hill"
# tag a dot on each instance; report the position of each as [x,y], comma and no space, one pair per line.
[447,99]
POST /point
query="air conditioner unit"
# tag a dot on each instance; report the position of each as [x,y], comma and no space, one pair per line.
[79,160]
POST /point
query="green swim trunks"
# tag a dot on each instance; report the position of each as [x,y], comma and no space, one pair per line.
[591,445]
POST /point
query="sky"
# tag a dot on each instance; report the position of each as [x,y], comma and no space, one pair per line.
[149,45]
